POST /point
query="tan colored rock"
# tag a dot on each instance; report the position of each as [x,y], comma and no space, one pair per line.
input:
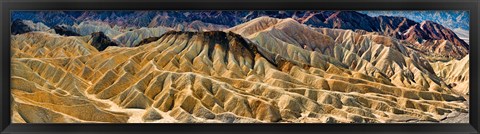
[273,70]
[151,115]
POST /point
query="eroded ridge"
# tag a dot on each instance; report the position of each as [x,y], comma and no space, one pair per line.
[216,76]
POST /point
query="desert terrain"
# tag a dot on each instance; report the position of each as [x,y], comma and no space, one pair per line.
[322,67]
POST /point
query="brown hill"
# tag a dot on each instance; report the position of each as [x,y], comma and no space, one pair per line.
[223,77]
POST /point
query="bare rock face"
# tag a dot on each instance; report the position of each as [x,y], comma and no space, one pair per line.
[456,73]
[437,32]
[430,36]
[48,45]
[341,19]
[24,26]
[100,41]
[265,70]
[19,27]
[147,40]
[64,31]
[138,36]
[397,27]
[151,115]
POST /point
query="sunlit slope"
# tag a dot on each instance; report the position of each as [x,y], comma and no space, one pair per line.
[456,73]
[48,45]
[377,56]
[132,38]
[222,77]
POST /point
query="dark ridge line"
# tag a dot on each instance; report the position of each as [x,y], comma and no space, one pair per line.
[146,41]
[60,30]
[101,41]
[225,40]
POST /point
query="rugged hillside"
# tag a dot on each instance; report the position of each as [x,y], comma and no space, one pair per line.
[235,67]
[223,77]
[47,45]
[63,30]
[452,19]
[374,55]
[89,27]
[398,27]
[456,73]
[134,37]
[25,26]
[463,34]
[197,26]
[101,41]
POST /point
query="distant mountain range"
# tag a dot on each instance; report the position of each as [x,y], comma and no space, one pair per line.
[109,22]
[458,21]
[450,19]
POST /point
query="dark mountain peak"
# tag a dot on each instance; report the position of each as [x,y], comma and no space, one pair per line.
[434,30]
[19,27]
[402,22]
[393,25]
[228,42]
[391,17]
[351,20]
[315,19]
[415,34]
[101,41]
[62,30]
[99,35]
[350,15]
[346,13]
[438,32]
[431,25]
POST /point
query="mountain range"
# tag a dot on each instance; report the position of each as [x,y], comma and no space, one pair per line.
[113,23]
[452,19]
[236,67]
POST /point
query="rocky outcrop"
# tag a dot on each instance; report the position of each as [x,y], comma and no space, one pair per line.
[89,27]
[48,45]
[224,77]
[199,26]
[25,26]
[456,73]
[100,41]
[135,37]
[437,32]
[398,27]
[62,30]
[18,27]
[146,41]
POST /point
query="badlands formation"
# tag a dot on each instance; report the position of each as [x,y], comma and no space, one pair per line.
[262,71]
